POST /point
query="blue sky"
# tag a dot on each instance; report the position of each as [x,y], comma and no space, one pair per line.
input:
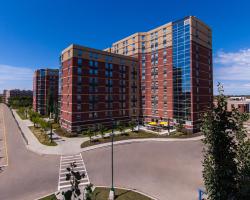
[33,33]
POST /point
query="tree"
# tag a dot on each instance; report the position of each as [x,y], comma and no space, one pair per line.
[121,127]
[223,163]
[179,127]
[34,117]
[101,129]
[89,132]
[74,177]
[88,192]
[43,124]
[132,125]
[243,155]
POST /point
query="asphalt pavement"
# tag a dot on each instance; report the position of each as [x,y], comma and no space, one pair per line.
[165,170]
[28,175]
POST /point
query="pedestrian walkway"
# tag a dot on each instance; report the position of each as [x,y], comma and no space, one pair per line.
[65,162]
[3,142]
[65,146]
[71,146]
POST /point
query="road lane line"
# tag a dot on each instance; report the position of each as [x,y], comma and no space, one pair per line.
[65,162]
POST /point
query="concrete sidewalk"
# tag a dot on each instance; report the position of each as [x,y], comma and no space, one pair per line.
[69,146]
[65,146]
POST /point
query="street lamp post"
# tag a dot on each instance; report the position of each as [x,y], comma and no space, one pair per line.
[168,126]
[112,190]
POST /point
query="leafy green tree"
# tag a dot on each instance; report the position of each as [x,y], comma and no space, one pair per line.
[44,124]
[88,192]
[101,129]
[243,155]
[35,119]
[121,127]
[74,177]
[132,125]
[180,127]
[89,132]
[224,164]
[17,102]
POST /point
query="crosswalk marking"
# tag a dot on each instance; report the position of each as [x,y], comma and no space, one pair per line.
[65,162]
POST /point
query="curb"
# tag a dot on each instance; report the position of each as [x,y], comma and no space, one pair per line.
[134,190]
[107,144]
[122,188]
[24,137]
[130,141]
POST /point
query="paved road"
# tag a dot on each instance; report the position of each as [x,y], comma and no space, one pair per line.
[28,175]
[165,170]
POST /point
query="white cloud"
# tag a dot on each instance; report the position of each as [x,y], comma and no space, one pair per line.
[15,77]
[233,69]
[232,65]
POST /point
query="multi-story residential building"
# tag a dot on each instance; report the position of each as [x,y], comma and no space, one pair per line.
[4,96]
[176,74]
[45,90]
[97,87]
[16,93]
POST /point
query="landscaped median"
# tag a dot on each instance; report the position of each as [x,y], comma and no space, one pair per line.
[135,135]
[42,136]
[101,193]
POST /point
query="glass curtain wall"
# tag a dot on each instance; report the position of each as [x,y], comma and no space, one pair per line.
[181,71]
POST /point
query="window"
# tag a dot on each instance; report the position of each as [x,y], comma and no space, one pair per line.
[79,71]
[79,107]
[79,98]
[79,89]
[143,37]
[96,64]
[164,30]
[79,79]
[93,71]
[78,117]
[79,61]
[80,53]
[91,63]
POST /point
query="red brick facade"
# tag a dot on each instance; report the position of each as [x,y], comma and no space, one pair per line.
[97,87]
[45,89]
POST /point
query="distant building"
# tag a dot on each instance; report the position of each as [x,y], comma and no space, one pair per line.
[97,87]
[241,103]
[16,93]
[45,89]
[4,96]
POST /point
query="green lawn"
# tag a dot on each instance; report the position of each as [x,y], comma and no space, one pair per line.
[136,135]
[50,197]
[21,115]
[103,193]
[42,136]
[59,131]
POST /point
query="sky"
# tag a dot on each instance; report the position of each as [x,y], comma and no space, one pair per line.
[34,32]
